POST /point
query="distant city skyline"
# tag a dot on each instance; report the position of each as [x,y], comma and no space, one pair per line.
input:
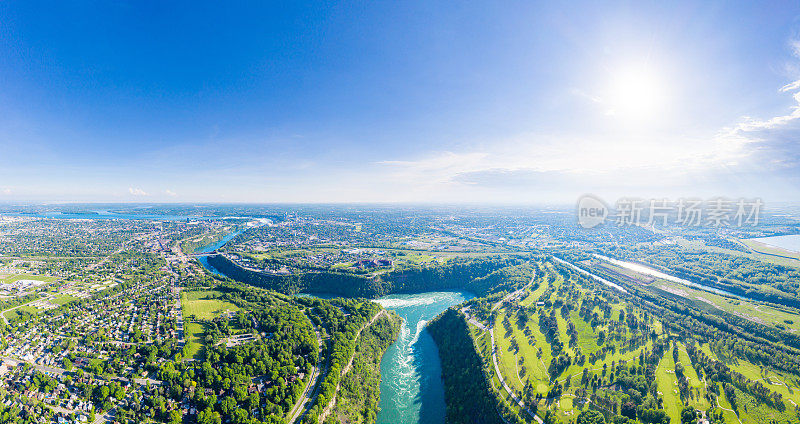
[495,102]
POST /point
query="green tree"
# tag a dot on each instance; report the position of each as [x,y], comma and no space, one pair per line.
[688,415]
[175,417]
[590,417]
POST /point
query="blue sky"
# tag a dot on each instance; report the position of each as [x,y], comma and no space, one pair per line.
[397,101]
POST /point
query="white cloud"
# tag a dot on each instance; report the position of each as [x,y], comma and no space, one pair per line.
[749,125]
[791,86]
[170,193]
[6,191]
[136,191]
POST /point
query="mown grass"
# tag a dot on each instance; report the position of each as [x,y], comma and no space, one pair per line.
[668,386]
[63,299]
[202,305]
[700,401]
[193,333]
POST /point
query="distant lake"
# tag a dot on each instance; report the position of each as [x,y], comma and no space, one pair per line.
[790,242]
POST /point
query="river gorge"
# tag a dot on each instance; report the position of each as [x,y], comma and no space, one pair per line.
[411,385]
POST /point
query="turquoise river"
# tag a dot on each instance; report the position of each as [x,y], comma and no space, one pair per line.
[411,384]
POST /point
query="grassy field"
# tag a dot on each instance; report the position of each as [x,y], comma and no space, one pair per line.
[13,314]
[767,253]
[528,362]
[759,252]
[751,411]
[193,332]
[535,352]
[202,305]
[668,386]
[775,381]
[16,277]
[700,401]
[63,299]
[534,295]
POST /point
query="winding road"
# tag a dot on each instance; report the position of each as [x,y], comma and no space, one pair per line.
[490,329]
[505,386]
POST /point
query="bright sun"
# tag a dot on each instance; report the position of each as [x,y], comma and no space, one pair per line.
[636,94]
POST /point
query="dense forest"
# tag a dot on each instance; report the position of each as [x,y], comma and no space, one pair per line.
[344,320]
[466,388]
[478,275]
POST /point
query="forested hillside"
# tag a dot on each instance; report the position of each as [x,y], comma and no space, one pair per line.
[467,391]
[478,275]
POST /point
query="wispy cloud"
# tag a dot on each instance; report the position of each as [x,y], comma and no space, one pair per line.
[170,193]
[136,191]
[791,86]
[772,142]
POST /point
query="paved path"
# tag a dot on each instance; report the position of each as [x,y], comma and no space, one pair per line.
[513,294]
[505,386]
[304,402]
[731,410]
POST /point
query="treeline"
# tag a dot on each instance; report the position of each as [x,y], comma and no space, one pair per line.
[719,374]
[478,275]
[466,389]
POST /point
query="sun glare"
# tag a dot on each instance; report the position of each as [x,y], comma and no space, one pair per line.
[636,94]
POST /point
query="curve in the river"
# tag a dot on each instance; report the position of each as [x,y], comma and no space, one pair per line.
[212,247]
[411,384]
